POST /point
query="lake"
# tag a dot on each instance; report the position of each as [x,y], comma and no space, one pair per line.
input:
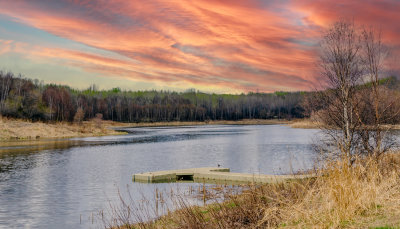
[62,184]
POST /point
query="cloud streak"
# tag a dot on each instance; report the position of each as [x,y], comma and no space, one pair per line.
[233,46]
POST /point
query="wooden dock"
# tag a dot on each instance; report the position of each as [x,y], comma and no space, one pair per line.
[211,175]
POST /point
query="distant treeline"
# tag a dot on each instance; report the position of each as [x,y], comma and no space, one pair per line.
[30,99]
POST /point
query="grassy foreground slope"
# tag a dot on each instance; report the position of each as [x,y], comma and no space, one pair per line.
[365,195]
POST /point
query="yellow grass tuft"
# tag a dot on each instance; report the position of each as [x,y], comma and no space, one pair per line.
[305,124]
[343,193]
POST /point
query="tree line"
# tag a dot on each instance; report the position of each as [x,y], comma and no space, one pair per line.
[31,99]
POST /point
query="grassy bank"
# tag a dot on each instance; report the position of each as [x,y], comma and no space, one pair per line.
[365,195]
[305,123]
[308,123]
[15,129]
[215,122]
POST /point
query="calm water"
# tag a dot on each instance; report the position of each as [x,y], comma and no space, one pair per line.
[41,187]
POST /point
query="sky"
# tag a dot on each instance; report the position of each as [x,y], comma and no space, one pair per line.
[221,46]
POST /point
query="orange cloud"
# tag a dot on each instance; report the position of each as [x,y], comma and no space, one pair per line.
[380,14]
[236,45]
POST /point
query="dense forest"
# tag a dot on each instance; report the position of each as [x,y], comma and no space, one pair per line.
[31,99]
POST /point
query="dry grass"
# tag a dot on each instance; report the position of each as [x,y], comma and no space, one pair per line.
[216,122]
[312,123]
[305,124]
[366,194]
[349,196]
[12,129]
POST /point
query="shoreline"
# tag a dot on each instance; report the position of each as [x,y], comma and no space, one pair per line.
[198,123]
[24,131]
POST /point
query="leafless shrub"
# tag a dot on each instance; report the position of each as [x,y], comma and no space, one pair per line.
[79,115]
[98,120]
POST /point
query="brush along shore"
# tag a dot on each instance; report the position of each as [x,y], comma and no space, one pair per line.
[308,123]
[363,195]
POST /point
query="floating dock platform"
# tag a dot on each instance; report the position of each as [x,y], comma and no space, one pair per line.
[212,175]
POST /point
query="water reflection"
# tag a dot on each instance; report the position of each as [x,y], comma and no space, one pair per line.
[58,183]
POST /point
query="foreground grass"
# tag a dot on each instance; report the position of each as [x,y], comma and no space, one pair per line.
[364,195]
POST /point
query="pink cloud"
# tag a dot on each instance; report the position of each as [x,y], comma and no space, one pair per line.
[242,45]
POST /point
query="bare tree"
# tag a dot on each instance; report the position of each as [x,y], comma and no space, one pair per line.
[379,104]
[5,87]
[341,69]
[355,106]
